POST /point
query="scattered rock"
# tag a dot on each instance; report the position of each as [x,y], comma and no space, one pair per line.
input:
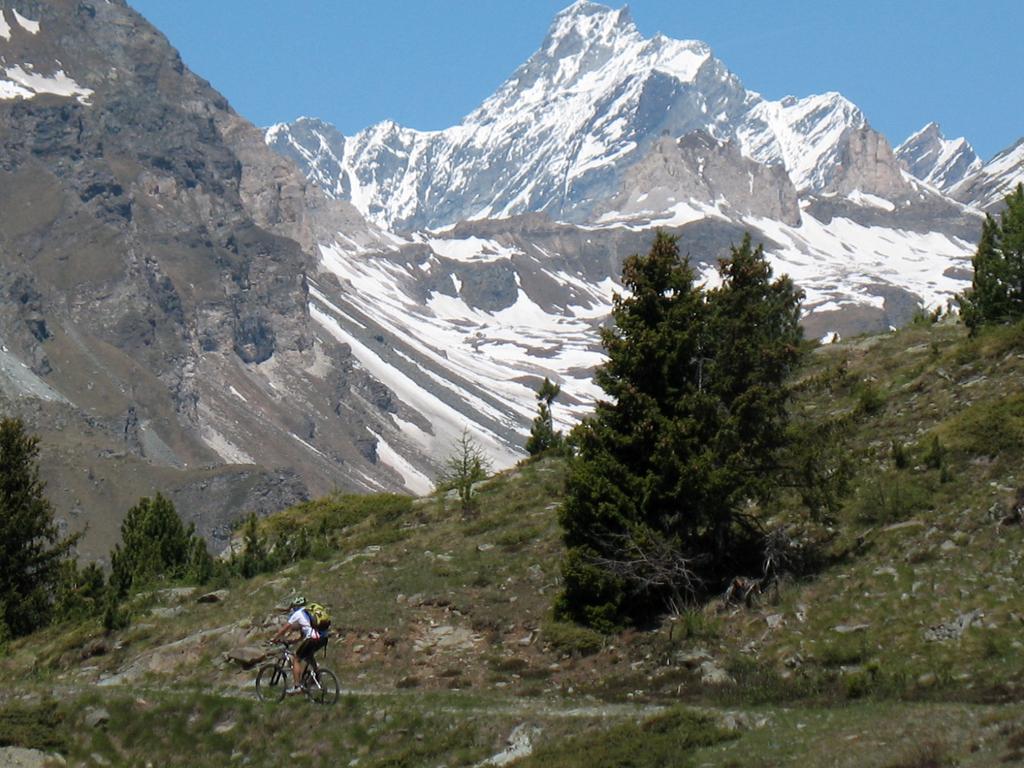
[98,647]
[774,621]
[518,745]
[927,680]
[693,658]
[96,716]
[217,596]
[953,630]
[947,546]
[740,721]
[846,629]
[904,524]
[484,547]
[712,674]
[19,757]
[176,593]
[167,613]
[225,727]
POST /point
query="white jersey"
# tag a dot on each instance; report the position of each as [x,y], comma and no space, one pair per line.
[300,619]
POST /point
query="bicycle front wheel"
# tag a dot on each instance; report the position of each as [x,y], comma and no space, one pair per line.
[323,687]
[271,682]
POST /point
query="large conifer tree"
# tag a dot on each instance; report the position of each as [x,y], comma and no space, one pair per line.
[31,551]
[693,426]
[996,294]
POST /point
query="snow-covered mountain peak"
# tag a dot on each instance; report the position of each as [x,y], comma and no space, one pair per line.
[987,187]
[589,51]
[585,22]
[801,134]
[597,98]
[936,160]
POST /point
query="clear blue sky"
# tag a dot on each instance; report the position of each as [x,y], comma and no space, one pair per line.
[427,63]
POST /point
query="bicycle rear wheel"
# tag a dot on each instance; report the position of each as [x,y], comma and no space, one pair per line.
[271,682]
[323,687]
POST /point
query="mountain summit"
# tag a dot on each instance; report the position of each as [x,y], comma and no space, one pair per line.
[598,99]
[933,158]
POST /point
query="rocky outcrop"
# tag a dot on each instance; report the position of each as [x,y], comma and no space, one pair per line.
[698,168]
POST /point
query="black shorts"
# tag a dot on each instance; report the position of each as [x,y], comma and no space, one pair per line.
[309,646]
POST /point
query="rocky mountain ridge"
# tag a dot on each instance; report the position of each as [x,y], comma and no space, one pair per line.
[156,262]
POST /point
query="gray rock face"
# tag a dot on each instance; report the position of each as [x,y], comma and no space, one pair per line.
[697,166]
[866,163]
[155,265]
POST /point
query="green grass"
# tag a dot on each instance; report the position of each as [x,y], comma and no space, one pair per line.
[664,740]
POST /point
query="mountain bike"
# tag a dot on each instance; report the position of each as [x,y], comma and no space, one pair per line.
[318,683]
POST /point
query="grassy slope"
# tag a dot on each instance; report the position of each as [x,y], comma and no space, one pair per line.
[446,642]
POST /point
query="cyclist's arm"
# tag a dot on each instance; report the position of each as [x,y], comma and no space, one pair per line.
[289,627]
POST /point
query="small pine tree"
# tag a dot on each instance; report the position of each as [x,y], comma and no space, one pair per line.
[155,546]
[31,550]
[464,467]
[543,436]
[255,556]
[81,592]
[996,295]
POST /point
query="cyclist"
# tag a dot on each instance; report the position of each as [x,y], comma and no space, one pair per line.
[312,640]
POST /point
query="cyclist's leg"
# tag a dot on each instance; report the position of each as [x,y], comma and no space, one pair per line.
[298,658]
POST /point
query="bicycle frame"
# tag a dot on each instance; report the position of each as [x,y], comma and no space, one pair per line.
[283,663]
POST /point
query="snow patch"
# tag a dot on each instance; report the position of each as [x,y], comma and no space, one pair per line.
[32,27]
[868,200]
[414,480]
[23,83]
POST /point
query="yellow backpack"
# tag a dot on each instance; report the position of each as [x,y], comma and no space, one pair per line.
[319,616]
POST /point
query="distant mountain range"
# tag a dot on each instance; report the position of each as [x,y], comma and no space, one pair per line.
[189,311]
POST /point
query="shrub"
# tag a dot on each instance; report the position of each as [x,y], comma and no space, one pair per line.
[572,639]
[870,399]
[33,726]
[891,497]
[934,453]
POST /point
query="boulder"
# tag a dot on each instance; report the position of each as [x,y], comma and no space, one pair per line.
[712,674]
[96,717]
[247,656]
